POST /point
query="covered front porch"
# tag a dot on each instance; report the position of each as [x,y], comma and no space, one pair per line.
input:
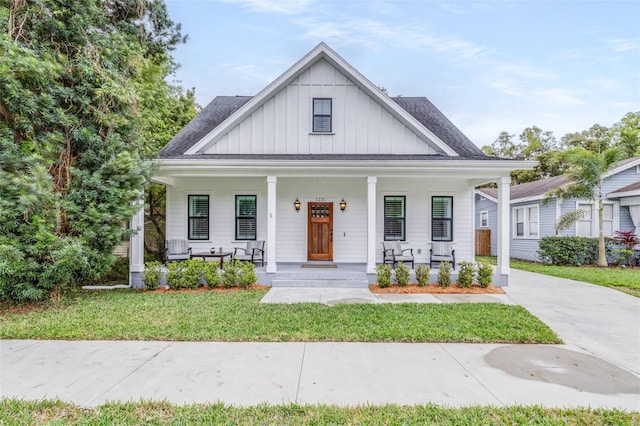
[340,213]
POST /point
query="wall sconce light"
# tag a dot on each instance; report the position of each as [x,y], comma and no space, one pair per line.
[343,205]
[296,205]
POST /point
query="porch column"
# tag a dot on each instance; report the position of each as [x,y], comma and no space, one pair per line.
[504,195]
[136,247]
[271,224]
[371,224]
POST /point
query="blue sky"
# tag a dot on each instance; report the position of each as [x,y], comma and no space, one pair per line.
[488,65]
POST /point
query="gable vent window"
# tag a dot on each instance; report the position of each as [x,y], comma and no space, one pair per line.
[321,115]
[198,217]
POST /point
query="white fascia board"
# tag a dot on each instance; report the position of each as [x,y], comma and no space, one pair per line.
[622,168]
[485,169]
[624,194]
[487,196]
[320,51]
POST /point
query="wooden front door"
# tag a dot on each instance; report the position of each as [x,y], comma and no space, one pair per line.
[320,231]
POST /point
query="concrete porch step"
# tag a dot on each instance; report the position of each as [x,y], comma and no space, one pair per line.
[327,283]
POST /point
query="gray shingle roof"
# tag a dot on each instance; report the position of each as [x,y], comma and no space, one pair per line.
[530,189]
[222,107]
[208,119]
[430,117]
[631,187]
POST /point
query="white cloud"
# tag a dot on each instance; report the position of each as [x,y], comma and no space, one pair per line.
[286,7]
[623,45]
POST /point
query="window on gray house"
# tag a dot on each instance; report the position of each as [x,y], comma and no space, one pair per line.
[394,218]
[198,222]
[321,115]
[245,217]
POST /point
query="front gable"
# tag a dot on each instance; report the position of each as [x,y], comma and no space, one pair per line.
[278,120]
[283,123]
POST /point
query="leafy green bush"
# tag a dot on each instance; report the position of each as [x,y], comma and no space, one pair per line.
[466,273]
[211,273]
[184,274]
[621,255]
[383,275]
[574,251]
[230,273]
[485,274]
[117,273]
[152,275]
[247,274]
[403,274]
[422,275]
[444,274]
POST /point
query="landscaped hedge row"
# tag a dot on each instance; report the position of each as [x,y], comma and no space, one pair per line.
[196,272]
[574,251]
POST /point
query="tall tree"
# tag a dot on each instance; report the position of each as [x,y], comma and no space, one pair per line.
[626,134]
[596,139]
[70,150]
[586,171]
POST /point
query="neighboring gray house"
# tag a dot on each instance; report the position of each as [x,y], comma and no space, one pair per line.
[530,220]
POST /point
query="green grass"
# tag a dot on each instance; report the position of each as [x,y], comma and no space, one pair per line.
[237,316]
[627,280]
[17,412]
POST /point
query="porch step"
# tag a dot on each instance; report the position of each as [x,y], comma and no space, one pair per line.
[327,283]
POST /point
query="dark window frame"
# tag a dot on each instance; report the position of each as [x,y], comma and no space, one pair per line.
[448,221]
[316,114]
[240,217]
[402,219]
[191,218]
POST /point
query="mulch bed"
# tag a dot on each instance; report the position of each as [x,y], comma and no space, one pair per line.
[435,289]
[206,289]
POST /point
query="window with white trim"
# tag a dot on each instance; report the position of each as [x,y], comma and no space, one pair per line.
[588,225]
[245,217]
[322,115]
[526,222]
[484,219]
[441,218]
[394,218]
[198,217]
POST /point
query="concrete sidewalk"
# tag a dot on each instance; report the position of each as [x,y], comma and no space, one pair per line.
[598,366]
[91,373]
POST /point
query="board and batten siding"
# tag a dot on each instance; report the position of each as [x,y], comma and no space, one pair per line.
[282,125]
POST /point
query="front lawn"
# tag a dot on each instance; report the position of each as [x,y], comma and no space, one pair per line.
[237,316]
[623,279]
[55,412]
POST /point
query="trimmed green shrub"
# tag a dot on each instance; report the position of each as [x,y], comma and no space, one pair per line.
[444,274]
[383,275]
[184,274]
[230,272]
[403,274]
[247,274]
[466,273]
[152,275]
[485,274]
[574,251]
[422,275]
[211,273]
